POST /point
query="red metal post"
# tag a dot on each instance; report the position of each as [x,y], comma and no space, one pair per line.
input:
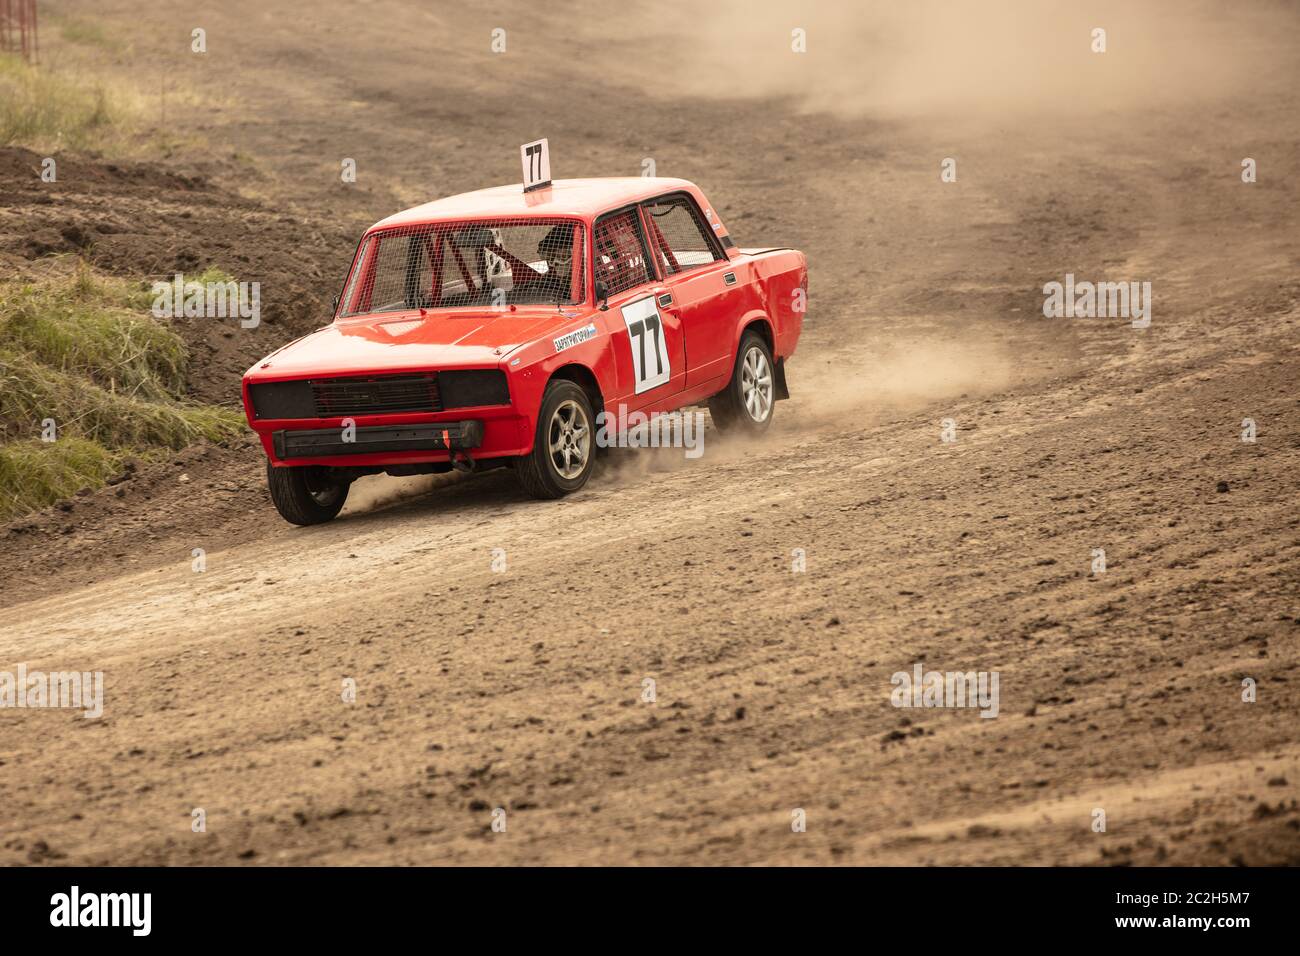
[29,32]
[18,29]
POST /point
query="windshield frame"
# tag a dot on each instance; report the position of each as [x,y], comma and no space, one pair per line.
[361,274]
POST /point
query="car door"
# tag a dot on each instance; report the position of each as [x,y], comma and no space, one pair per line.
[700,281]
[649,349]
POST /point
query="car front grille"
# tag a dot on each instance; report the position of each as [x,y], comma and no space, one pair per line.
[375,396]
[379,394]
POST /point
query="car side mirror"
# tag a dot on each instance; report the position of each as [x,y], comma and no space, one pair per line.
[336,305]
[602,295]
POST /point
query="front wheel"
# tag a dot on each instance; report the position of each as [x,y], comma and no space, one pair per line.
[746,404]
[306,495]
[564,445]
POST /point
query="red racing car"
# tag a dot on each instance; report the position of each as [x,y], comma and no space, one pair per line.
[492,328]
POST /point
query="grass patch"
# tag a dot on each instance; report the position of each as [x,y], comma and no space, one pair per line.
[87,33]
[31,393]
[34,474]
[83,352]
[94,327]
[47,110]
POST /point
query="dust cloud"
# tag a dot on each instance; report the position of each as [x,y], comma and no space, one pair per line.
[994,57]
[375,491]
[902,379]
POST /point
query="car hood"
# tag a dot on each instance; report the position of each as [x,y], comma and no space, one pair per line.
[399,341]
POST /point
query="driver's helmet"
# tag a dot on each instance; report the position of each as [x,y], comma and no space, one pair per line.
[556,248]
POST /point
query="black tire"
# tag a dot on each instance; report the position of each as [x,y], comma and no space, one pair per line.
[729,409]
[540,472]
[310,495]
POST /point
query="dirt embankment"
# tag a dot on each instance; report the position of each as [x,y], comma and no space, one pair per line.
[145,221]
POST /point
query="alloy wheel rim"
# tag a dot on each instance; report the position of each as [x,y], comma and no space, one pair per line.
[569,439]
[756,384]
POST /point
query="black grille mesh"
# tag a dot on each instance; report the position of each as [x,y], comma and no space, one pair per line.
[380,394]
[375,396]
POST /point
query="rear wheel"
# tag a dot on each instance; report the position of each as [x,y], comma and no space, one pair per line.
[306,495]
[746,404]
[564,446]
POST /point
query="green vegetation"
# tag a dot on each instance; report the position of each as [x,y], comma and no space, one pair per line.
[88,326]
[84,352]
[34,474]
[42,109]
[87,33]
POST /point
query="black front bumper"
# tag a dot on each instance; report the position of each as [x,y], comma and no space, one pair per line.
[328,442]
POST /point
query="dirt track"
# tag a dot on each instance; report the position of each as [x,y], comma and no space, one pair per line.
[522,690]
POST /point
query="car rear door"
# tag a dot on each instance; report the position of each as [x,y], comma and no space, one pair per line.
[700,280]
[649,349]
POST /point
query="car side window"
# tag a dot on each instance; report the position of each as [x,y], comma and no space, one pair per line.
[679,234]
[619,252]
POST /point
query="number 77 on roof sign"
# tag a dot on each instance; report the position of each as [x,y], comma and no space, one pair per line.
[536,158]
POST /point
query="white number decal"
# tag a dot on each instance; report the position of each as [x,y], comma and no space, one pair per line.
[645,333]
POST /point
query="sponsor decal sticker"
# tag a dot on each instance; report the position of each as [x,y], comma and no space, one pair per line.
[576,337]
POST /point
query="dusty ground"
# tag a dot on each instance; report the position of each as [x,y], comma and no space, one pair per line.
[522,690]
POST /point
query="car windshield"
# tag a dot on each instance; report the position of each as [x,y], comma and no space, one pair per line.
[478,263]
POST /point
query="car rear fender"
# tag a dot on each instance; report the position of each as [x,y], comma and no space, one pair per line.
[757,321]
[781,276]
